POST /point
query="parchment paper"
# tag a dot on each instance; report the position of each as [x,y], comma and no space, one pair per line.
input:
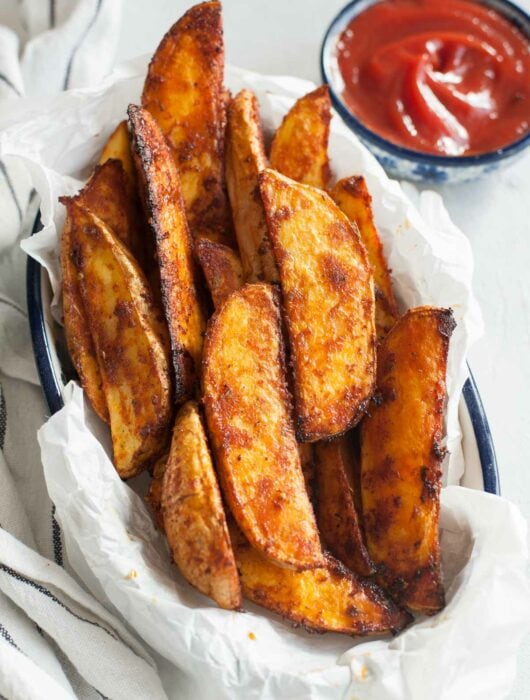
[467,651]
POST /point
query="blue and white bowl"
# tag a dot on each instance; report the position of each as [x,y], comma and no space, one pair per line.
[403,162]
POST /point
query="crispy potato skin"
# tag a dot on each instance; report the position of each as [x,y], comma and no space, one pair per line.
[132,359]
[337,517]
[353,198]
[153,497]
[299,149]
[401,455]
[245,159]
[118,147]
[248,414]
[221,267]
[160,186]
[194,517]
[78,339]
[326,599]
[110,195]
[184,92]
[328,298]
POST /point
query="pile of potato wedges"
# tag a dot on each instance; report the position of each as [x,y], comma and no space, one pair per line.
[230,314]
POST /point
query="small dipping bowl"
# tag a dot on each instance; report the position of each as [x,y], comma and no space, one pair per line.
[403,162]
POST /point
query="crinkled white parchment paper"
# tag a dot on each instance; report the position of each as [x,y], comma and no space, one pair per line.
[467,651]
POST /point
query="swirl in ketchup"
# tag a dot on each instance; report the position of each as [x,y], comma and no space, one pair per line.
[450,77]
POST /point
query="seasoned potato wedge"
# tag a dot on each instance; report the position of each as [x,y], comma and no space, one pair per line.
[353,198]
[78,338]
[221,267]
[337,517]
[194,518]
[328,297]
[131,356]
[184,92]
[401,454]
[159,183]
[118,147]
[111,197]
[300,146]
[245,159]
[307,462]
[153,497]
[326,599]
[249,421]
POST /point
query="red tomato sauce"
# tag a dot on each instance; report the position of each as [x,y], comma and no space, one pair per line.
[449,77]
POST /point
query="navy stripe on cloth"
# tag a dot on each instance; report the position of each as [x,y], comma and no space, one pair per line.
[38,587]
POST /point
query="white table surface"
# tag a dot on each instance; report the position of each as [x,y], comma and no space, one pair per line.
[283,37]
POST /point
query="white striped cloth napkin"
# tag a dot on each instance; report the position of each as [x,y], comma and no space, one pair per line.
[56,640]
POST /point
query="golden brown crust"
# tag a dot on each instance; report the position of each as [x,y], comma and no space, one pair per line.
[184,93]
[110,195]
[245,159]
[78,338]
[193,513]
[299,149]
[132,359]
[221,267]
[153,497]
[353,198]
[248,415]
[160,185]
[118,147]
[328,298]
[337,517]
[326,599]
[401,456]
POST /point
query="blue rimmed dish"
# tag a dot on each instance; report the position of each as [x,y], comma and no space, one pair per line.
[55,370]
[403,162]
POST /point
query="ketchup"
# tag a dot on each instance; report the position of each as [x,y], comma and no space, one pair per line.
[450,77]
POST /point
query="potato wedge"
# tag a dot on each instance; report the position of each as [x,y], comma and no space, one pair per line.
[194,518]
[328,298]
[245,159]
[132,359]
[78,338]
[401,454]
[221,267]
[159,183]
[353,198]
[326,599]
[248,415]
[337,517]
[153,497]
[184,92]
[111,197]
[299,149]
[118,147]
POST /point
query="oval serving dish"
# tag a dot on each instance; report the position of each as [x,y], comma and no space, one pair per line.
[403,162]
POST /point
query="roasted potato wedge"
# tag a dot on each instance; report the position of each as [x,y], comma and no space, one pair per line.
[337,517]
[160,185]
[328,298]
[78,338]
[326,599]
[250,427]
[184,92]
[194,517]
[221,267]
[299,149]
[111,197]
[153,497]
[401,455]
[132,359]
[118,147]
[307,462]
[245,159]
[353,198]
